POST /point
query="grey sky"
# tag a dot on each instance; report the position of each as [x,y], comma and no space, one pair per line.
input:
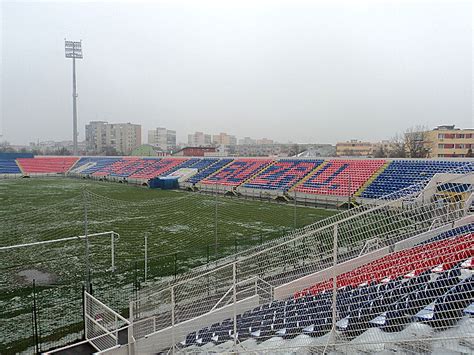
[306,71]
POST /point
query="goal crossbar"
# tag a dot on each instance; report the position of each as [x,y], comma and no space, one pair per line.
[78,237]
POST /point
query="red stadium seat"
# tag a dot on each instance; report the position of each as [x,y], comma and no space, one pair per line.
[436,256]
[44,165]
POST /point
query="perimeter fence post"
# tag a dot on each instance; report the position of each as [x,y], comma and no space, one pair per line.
[35,320]
[175,265]
[146,256]
[131,340]
[294,216]
[86,227]
[112,246]
[173,335]
[234,281]
[334,284]
[135,284]
[84,311]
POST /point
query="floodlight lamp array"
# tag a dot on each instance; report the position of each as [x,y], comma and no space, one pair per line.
[73,49]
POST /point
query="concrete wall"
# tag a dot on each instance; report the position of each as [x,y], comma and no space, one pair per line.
[119,350]
[263,193]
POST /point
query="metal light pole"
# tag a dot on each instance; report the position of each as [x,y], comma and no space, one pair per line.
[74,50]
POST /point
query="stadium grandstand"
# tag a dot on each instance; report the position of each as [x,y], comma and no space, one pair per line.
[392,272]
[301,179]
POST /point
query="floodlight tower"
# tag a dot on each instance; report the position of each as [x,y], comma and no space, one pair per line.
[74,50]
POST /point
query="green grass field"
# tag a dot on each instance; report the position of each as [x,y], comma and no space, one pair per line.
[181,227]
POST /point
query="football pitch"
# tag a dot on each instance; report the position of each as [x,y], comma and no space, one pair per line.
[175,230]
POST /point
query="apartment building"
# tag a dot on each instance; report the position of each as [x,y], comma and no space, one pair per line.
[224,139]
[247,141]
[199,139]
[448,141]
[123,137]
[163,138]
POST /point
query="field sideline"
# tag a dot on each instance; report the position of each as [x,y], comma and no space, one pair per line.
[181,228]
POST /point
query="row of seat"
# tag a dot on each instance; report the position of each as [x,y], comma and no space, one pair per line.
[157,168]
[407,263]
[435,295]
[208,170]
[192,163]
[412,300]
[465,229]
[9,166]
[46,165]
[236,172]
[283,174]
[340,177]
[138,168]
[124,167]
[89,165]
[401,174]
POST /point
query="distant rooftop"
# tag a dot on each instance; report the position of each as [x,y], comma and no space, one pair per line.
[450,128]
[445,128]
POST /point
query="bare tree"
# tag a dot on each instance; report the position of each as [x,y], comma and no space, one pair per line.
[397,147]
[294,150]
[5,147]
[415,139]
[62,151]
[380,152]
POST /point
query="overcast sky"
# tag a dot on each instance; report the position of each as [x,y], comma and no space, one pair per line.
[304,71]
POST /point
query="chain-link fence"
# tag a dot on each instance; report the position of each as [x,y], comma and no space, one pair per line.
[39,317]
[328,281]
[115,247]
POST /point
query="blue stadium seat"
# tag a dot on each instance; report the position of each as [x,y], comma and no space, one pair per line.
[468,228]
[449,307]
[283,174]
[399,307]
[469,309]
[390,304]
[211,168]
[89,165]
[237,171]
[403,177]
[9,166]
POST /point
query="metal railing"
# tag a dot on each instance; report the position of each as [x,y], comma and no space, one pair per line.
[102,324]
[289,265]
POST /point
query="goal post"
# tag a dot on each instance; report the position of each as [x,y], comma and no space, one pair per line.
[113,235]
